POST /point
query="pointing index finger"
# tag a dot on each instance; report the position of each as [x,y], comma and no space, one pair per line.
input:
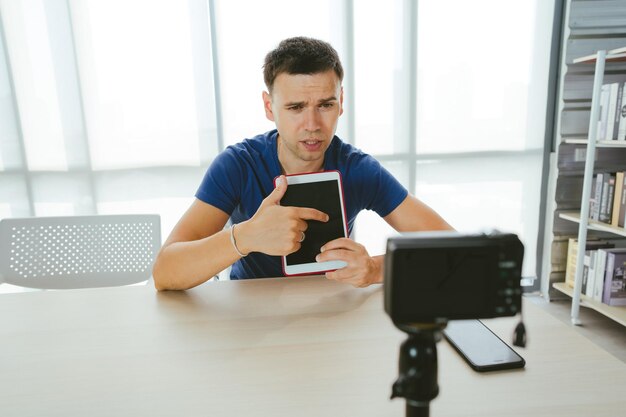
[311,214]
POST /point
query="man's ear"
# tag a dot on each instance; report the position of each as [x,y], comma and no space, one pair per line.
[341,101]
[267,105]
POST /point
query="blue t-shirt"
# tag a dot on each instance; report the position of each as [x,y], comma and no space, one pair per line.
[243,175]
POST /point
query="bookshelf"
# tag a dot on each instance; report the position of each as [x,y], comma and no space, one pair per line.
[599,143]
[594,225]
[614,55]
[616,313]
[582,218]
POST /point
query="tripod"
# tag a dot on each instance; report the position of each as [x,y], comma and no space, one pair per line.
[417,382]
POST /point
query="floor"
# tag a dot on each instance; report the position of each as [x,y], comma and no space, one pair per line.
[604,332]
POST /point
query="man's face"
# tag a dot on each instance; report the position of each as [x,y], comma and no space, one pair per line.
[306,109]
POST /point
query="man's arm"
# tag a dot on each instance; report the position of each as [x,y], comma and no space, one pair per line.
[198,248]
[414,216]
[362,270]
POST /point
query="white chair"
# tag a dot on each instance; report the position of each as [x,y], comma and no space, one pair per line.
[78,251]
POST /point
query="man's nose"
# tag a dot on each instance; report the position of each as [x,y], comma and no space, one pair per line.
[312,119]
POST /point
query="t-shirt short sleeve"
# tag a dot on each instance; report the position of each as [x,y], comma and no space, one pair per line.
[221,185]
[384,192]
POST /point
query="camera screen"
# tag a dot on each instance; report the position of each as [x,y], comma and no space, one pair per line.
[452,282]
[323,196]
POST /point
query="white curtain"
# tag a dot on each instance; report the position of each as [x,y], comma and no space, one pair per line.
[118,106]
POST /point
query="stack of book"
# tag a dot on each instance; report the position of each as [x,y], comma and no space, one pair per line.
[612,122]
[603,271]
[608,198]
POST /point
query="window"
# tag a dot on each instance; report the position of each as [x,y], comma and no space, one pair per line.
[243,41]
[480,103]
[119,106]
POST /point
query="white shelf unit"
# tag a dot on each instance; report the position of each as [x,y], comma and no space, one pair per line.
[599,143]
[594,224]
[616,313]
[582,218]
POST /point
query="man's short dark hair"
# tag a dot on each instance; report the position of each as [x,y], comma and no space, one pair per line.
[301,55]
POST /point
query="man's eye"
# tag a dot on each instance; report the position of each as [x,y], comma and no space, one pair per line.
[328,105]
[295,108]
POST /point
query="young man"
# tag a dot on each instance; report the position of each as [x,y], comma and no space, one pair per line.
[304,99]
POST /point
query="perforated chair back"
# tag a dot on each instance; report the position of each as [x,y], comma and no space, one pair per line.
[78,251]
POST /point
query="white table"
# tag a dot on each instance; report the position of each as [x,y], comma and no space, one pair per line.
[278,347]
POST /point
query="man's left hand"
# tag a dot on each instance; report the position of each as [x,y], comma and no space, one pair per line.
[361,271]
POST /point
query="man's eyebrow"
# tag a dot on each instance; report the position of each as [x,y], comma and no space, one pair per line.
[326,100]
[295,104]
[303,103]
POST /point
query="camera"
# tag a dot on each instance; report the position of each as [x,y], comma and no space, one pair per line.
[433,277]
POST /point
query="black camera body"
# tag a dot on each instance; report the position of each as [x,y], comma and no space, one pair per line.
[433,277]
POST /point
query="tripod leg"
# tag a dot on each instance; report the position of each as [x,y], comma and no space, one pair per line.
[417,382]
[417,410]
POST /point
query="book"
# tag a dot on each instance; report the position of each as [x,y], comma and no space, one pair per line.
[617,111]
[599,274]
[617,197]
[621,131]
[600,271]
[614,292]
[606,205]
[570,262]
[596,196]
[572,256]
[611,110]
[610,198]
[591,271]
[586,269]
[621,219]
[604,112]
[592,197]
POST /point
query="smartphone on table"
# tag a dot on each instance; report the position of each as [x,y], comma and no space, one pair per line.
[481,348]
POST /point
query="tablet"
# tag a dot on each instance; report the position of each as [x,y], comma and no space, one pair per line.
[321,191]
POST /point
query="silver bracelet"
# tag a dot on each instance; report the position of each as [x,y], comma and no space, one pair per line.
[234,242]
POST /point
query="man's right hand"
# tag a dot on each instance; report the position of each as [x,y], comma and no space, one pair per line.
[274,229]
